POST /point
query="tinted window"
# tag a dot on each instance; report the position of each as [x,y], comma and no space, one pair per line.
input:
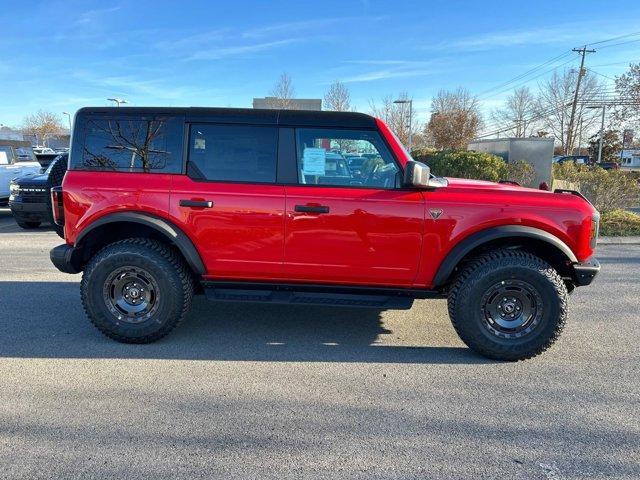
[344,157]
[131,144]
[234,153]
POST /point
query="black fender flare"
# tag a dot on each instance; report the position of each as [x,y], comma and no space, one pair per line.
[170,231]
[457,253]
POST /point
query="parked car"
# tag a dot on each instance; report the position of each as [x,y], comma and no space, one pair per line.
[30,199]
[16,159]
[243,205]
[608,165]
[577,159]
[39,149]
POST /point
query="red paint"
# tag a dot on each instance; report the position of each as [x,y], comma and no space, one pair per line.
[369,236]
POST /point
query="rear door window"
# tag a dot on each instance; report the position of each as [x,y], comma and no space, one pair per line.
[131,144]
[233,153]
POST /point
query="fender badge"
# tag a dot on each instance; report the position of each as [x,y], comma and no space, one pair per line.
[435,213]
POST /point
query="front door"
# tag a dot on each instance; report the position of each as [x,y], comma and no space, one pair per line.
[229,201]
[347,220]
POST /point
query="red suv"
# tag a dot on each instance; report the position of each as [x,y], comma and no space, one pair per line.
[263,206]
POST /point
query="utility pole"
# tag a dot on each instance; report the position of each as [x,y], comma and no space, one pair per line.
[583,51]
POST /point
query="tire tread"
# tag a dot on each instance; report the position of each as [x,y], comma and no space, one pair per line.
[506,258]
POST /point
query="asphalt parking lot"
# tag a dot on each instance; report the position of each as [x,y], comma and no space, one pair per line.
[253,391]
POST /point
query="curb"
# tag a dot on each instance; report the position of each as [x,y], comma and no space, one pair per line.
[619,241]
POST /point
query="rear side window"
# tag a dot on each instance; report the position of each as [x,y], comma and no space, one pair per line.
[233,153]
[131,144]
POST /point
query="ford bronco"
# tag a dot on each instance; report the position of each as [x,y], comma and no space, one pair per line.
[262,206]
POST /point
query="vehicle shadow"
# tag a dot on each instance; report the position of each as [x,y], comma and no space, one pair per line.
[9,225]
[45,320]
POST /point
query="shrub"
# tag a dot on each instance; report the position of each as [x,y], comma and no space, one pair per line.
[464,164]
[618,223]
[608,190]
[521,172]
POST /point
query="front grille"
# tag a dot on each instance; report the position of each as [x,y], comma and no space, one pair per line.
[30,196]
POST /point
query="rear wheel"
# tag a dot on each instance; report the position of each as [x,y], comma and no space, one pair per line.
[508,305]
[136,290]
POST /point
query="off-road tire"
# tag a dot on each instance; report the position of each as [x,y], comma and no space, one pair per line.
[479,276]
[27,225]
[171,276]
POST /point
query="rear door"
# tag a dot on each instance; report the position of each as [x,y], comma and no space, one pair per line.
[350,225]
[230,203]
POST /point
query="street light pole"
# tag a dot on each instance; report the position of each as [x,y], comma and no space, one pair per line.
[603,107]
[410,137]
[69,117]
[601,135]
[118,101]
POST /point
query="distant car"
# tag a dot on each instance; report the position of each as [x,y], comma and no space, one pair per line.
[577,159]
[608,165]
[39,149]
[16,160]
[30,199]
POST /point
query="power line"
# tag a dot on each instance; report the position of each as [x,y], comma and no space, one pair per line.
[632,34]
[621,43]
[529,79]
[525,74]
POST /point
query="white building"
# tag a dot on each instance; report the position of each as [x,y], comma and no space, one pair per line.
[630,159]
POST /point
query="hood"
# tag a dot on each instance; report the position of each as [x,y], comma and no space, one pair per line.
[484,185]
[32,180]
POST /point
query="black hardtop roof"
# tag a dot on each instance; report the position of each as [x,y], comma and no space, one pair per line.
[307,118]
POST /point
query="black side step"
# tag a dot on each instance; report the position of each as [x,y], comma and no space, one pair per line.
[220,294]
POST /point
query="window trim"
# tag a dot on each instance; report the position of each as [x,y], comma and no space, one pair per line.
[355,129]
[187,157]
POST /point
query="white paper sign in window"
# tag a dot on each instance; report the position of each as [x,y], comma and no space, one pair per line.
[314,161]
[3,158]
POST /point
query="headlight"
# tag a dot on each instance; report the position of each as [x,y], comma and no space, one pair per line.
[14,189]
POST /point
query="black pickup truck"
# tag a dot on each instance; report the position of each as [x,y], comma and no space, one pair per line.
[30,195]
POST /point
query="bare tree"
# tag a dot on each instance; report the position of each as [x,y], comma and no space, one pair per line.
[282,93]
[455,119]
[42,125]
[554,101]
[396,116]
[519,108]
[628,90]
[337,98]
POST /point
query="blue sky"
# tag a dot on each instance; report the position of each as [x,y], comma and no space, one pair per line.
[61,55]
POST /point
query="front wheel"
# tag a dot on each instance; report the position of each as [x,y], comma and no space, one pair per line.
[136,290]
[508,305]
[27,225]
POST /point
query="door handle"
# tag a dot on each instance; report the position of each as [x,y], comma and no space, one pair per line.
[312,208]
[196,203]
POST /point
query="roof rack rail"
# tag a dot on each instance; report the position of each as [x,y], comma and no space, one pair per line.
[509,182]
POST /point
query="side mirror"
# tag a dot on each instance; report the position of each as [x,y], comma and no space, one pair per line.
[416,174]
